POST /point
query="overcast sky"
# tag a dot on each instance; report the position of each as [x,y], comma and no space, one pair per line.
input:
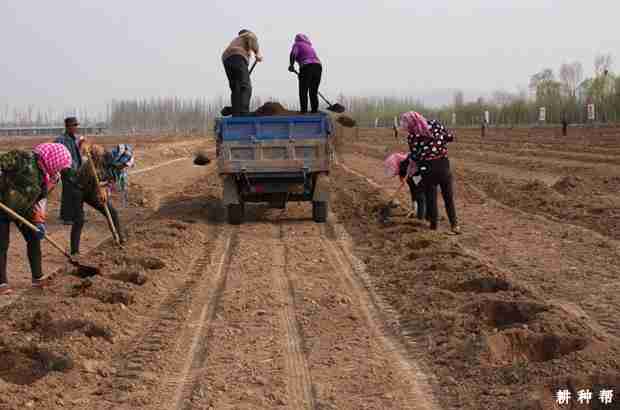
[74,53]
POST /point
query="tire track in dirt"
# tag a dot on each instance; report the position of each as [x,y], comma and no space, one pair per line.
[418,388]
[194,339]
[147,346]
[299,383]
[245,356]
[351,361]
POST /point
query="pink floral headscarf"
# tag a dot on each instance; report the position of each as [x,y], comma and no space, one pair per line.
[414,123]
[53,158]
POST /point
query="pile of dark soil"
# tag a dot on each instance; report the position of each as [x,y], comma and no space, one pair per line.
[201,158]
[346,121]
[272,109]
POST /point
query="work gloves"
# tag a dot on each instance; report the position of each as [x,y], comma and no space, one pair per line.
[41,230]
[102,195]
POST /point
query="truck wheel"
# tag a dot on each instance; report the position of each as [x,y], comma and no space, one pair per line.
[319,212]
[235,214]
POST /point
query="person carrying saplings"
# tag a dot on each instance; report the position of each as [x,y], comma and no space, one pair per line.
[111,169]
[26,180]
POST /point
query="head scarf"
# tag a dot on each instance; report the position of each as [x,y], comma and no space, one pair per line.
[122,156]
[415,123]
[392,163]
[53,158]
[302,38]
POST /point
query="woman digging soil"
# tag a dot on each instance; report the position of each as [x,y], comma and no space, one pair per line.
[25,182]
[428,142]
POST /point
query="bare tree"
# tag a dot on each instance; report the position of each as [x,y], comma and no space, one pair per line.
[571,76]
[459,99]
[602,64]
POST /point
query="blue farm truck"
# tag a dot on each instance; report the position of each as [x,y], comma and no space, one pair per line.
[274,160]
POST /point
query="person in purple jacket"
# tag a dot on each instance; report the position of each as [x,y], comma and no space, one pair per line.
[310,71]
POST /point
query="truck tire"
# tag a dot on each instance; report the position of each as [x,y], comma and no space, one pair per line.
[235,214]
[319,212]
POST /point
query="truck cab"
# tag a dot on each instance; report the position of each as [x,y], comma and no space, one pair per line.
[274,160]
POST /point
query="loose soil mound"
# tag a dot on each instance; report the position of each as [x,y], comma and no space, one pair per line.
[271,109]
[66,339]
[490,341]
[201,158]
[568,184]
[569,200]
[346,121]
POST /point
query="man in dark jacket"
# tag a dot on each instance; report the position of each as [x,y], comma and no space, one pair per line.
[72,142]
[72,201]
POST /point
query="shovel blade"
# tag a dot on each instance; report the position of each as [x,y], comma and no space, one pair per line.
[84,271]
[337,108]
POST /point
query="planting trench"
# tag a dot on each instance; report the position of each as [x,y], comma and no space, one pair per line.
[489,337]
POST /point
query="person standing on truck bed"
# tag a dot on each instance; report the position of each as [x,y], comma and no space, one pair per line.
[236,59]
[310,70]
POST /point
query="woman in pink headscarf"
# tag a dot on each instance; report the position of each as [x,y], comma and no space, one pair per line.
[25,181]
[428,142]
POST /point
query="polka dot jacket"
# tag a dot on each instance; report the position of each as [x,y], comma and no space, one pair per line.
[424,148]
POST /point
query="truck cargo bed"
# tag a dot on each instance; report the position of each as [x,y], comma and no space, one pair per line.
[274,160]
[273,144]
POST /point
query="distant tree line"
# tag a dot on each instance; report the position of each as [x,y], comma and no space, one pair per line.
[32,116]
[564,95]
[172,114]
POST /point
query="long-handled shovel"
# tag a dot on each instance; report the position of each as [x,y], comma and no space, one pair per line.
[226,111]
[83,270]
[385,211]
[336,107]
[117,239]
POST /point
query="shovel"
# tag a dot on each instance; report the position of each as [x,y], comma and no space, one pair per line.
[385,211]
[337,108]
[226,111]
[117,238]
[82,270]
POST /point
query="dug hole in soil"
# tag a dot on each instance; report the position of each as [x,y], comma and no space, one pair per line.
[57,347]
[491,342]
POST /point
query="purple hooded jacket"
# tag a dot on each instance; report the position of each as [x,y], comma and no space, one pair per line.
[303,52]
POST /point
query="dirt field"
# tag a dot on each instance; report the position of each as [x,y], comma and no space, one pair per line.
[281,312]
